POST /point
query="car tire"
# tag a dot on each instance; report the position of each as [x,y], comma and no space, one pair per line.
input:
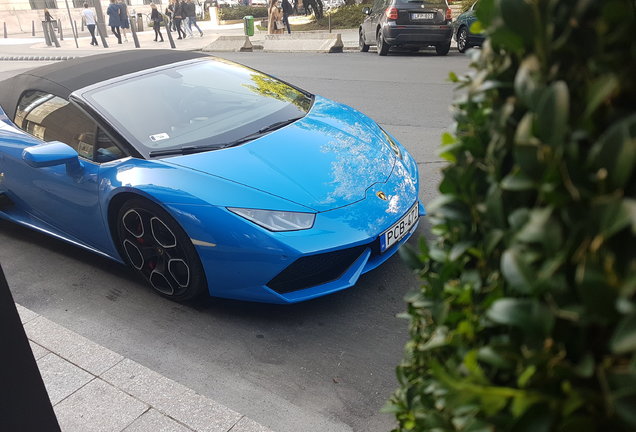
[158,249]
[383,47]
[363,46]
[462,39]
[442,49]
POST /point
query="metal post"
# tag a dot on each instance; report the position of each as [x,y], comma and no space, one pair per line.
[172,45]
[5,30]
[133,29]
[101,30]
[52,34]
[82,24]
[32,28]
[47,37]
[59,29]
[329,23]
[99,12]
[70,20]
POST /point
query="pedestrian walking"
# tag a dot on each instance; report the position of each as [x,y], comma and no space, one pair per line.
[113,19]
[178,17]
[170,14]
[287,11]
[47,15]
[123,17]
[88,15]
[156,19]
[192,17]
[274,18]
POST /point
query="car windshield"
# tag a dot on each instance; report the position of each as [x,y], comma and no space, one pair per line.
[197,106]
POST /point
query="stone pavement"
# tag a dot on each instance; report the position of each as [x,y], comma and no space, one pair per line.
[93,389]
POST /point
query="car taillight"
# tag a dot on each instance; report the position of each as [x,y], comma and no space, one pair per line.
[392,13]
[449,14]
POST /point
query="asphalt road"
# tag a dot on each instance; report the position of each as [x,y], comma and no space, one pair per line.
[325,365]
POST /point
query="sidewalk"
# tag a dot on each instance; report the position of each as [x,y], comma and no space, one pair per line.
[26,47]
[93,389]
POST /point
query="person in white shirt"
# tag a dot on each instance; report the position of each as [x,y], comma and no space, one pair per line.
[90,19]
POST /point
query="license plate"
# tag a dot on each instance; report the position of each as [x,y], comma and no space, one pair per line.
[400,229]
[422,16]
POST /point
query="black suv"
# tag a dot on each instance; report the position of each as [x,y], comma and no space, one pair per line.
[410,24]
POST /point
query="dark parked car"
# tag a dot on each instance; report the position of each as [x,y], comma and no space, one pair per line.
[461,30]
[409,24]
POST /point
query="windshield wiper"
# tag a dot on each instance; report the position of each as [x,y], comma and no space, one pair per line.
[278,125]
[198,149]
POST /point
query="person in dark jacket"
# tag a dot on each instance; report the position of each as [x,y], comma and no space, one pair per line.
[113,19]
[191,13]
[123,17]
[47,15]
[178,16]
[287,11]
[157,20]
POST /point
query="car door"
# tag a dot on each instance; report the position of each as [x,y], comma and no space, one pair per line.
[66,200]
[370,24]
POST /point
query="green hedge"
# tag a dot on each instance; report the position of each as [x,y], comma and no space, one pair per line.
[238,12]
[526,317]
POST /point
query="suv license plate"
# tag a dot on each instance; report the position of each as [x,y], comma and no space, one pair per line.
[400,229]
[422,16]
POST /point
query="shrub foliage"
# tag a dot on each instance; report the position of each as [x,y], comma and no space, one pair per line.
[238,12]
[526,317]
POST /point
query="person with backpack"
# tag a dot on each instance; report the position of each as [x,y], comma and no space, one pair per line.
[157,20]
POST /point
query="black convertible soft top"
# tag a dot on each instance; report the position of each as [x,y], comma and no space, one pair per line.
[64,77]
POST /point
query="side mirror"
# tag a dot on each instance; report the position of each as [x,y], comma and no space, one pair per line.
[51,154]
[366,11]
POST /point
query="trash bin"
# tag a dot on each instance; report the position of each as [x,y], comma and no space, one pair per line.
[248,25]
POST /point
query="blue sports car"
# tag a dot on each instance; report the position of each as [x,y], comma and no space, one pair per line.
[203,175]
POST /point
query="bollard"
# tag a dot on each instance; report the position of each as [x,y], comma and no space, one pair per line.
[172,45]
[59,28]
[5,30]
[133,30]
[82,25]
[101,30]
[32,28]
[47,37]
[49,25]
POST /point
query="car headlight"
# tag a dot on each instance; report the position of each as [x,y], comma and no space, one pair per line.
[277,220]
[392,144]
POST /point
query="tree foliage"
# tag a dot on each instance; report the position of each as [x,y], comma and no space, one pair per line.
[526,317]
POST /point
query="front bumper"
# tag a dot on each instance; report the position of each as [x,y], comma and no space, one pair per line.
[246,262]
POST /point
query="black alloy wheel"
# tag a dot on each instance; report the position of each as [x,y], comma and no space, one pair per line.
[363,46]
[383,47]
[462,39]
[154,244]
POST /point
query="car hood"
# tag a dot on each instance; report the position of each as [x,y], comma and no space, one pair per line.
[326,160]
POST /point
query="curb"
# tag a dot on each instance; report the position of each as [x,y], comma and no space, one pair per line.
[36,58]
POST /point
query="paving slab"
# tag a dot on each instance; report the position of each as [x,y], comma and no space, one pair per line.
[248,425]
[78,350]
[154,421]
[26,315]
[98,407]
[171,398]
[38,351]
[61,378]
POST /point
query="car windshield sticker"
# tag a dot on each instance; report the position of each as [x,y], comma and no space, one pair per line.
[159,137]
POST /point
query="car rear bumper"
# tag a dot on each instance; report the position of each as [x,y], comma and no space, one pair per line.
[417,35]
